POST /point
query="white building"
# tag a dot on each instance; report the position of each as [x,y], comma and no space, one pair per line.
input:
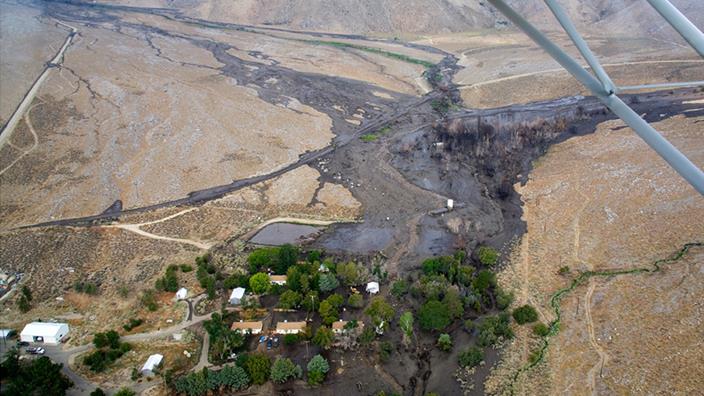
[236,296]
[48,333]
[278,279]
[152,364]
[182,293]
[373,287]
[247,327]
[287,327]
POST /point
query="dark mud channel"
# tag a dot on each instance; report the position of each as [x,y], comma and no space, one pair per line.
[277,234]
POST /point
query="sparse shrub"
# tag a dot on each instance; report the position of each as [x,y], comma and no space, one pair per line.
[186,268]
[134,322]
[399,288]
[541,330]
[564,270]
[148,300]
[503,299]
[471,357]
[525,314]
[385,350]
[469,326]
[488,256]
[444,342]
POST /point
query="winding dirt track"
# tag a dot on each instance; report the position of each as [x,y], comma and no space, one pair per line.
[27,121]
[603,356]
[137,230]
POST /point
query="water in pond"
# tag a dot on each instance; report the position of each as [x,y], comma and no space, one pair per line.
[282,233]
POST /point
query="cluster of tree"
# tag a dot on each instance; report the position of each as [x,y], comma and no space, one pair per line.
[169,282]
[108,349]
[121,392]
[230,377]
[206,275]
[223,340]
[276,259]
[85,287]
[33,377]
[471,357]
[24,302]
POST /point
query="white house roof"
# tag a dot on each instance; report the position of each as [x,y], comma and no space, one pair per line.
[43,329]
[373,287]
[237,292]
[182,293]
[152,362]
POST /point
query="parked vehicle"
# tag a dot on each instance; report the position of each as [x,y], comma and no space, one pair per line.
[276,342]
[262,339]
[35,351]
[22,343]
[268,345]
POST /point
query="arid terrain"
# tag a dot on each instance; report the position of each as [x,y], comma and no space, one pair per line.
[158,136]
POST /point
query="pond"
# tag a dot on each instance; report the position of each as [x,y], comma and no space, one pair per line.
[282,233]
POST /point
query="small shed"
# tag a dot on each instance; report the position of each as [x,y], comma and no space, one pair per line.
[286,327]
[278,279]
[182,293]
[46,332]
[373,287]
[154,362]
[237,295]
[247,327]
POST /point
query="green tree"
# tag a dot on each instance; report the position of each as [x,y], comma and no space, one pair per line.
[27,293]
[483,281]
[262,258]
[98,392]
[525,314]
[349,273]
[380,312]
[453,301]
[287,257]
[317,368]
[23,304]
[311,302]
[493,328]
[293,278]
[399,288]
[471,357]
[323,337]
[258,367]
[406,324]
[35,377]
[284,369]
[355,301]
[503,299]
[234,377]
[385,349]
[290,299]
[445,342]
[367,336]
[327,282]
[259,283]
[465,275]
[329,309]
[434,315]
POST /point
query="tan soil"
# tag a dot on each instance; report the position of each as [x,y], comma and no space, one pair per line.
[607,201]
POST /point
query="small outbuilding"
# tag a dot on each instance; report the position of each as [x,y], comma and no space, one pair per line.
[373,287]
[154,362]
[237,295]
[247,327]
[286,327]
[182,293]
[278,279]
[46,332]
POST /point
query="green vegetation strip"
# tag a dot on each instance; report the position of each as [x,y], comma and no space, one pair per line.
[388,54]
[539,356]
